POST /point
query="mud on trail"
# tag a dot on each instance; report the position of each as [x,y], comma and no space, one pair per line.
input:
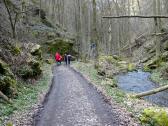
[72,101]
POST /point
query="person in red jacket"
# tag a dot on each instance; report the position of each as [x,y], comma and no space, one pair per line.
[58,58]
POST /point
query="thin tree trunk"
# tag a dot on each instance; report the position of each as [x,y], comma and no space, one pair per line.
[10,19]
[94,38]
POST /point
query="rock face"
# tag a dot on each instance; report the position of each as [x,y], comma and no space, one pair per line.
[7,80]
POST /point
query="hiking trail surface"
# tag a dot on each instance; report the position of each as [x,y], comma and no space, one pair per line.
[72,101]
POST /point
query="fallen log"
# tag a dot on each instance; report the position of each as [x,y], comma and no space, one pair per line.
[4,97]
[151,92]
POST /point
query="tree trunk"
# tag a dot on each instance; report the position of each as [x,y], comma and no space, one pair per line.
[10,19]
[151,92]
[94,37]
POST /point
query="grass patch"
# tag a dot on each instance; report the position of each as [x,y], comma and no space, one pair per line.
[27,95]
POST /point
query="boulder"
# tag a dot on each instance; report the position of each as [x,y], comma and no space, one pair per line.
[36,51]
[109,82]
[7,80]
[131,67]
[108,66]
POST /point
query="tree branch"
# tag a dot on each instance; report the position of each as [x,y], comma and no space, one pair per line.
[138,16]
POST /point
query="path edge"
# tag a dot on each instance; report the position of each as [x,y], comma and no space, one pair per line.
[37,115]
[108,99]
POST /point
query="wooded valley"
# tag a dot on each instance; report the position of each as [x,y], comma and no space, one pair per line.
[119,46]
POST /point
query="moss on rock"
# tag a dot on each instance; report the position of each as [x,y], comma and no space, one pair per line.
[154,117]
[36,51]
[109,66]
[7,80]
[131,67]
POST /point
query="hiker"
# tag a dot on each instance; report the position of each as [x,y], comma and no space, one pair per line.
[58,58]
[69,59]
[65,59]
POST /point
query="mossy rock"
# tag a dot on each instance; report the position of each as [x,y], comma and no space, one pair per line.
[8,85]
[154,117]
[109,59]
[7,80]
[36,51]
[131,67]
[5,70]
[109,66]
[109,82]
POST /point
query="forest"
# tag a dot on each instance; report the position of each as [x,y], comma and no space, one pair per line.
[119,68]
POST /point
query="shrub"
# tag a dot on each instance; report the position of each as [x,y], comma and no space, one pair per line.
[32,70]
[25,72]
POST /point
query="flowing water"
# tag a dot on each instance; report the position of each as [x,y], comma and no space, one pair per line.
[139,81]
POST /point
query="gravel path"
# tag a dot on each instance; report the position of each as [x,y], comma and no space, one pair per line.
[74,102]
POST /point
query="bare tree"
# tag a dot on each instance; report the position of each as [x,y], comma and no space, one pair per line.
[11,8]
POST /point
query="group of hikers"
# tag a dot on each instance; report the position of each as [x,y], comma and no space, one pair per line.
[66,58]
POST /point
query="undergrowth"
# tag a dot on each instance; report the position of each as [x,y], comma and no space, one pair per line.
[27,95]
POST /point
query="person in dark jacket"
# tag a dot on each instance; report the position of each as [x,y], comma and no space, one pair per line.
[69,59]
[65,59]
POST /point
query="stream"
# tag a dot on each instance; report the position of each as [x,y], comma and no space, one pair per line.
[139,81]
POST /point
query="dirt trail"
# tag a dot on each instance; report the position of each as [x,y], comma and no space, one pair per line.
[74,102]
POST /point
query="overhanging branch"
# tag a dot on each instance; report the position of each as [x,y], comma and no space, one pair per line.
[138,16]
